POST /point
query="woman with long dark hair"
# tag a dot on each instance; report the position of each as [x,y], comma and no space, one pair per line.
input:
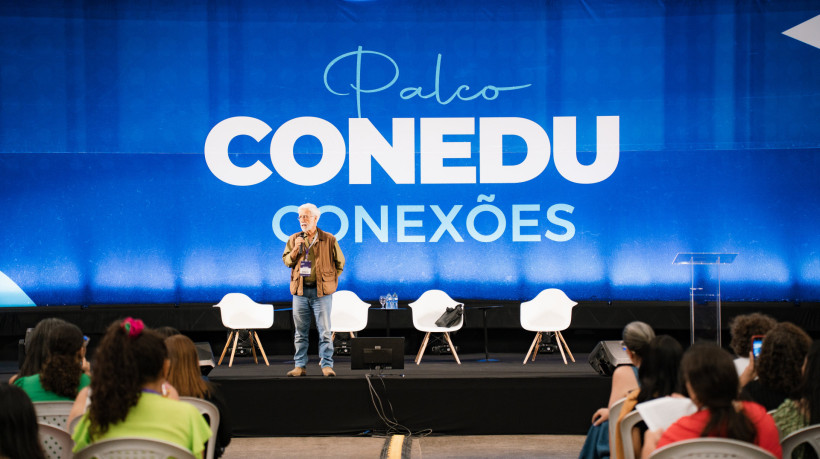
[804,409]
[658,377]
[18,425]
[779,369]
[185,376]
[712,382]
[37,347]
[128,393]
[62,376]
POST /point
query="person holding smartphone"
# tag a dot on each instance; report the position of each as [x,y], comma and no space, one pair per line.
[743,328]
[779,368]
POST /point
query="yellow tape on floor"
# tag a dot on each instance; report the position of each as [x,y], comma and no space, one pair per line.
[394,450]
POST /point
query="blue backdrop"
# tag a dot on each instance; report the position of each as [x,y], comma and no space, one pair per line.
[152,152]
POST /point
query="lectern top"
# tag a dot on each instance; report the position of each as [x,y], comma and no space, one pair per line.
[704,258]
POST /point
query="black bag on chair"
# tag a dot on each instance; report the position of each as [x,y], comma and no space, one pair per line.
[450,317]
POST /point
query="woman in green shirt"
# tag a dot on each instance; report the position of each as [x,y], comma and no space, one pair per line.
[62,376]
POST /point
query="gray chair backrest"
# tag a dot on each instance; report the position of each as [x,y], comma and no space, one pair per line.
[711,448]
[53,413]
[614,412]
[207,408]
[630,420]
[133,448]
[57,443]
[810,435]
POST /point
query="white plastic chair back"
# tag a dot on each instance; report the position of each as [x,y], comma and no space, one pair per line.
[242,313]
[56,442]
[630,420]
[550,310]
[810,435]
[429,307]
[349,312]
[212,412]
[711,448]
[133,448]
[614,412]
[53,413]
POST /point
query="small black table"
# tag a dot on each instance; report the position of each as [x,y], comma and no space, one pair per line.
[387,317]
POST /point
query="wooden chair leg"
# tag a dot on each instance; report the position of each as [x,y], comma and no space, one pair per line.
[227,343]
[560,348]
[253,348]
[261,349]
[565,345]
[534,340]
[537,345]
[452,348]
[352,335]
[233,351]
[423,346]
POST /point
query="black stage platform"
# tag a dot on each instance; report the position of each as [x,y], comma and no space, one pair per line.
[474,398]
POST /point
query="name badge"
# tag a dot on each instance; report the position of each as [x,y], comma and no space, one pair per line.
[304,268]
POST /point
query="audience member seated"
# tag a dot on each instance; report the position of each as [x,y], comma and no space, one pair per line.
[128,392]
[803,410]
[62,376]
[185,376]
[712,382]
[18,425]
[37,348]
[658,377]
[166,331]
[778,368]
[636,338]
[742,329]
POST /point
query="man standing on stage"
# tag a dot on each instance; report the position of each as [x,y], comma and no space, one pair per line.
[316,261]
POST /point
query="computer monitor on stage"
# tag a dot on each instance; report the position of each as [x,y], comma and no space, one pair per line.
[370,353]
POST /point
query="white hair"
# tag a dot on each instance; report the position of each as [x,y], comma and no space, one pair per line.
[311,208]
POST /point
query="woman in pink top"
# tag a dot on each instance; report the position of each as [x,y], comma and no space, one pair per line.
[713,384]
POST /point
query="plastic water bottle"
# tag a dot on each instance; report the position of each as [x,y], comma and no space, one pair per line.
[395,301]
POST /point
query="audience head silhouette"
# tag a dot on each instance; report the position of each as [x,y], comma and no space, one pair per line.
[63,367]
[636,338]
[658,372]
[37,346]
[780,365]
[184,373]
[18,425]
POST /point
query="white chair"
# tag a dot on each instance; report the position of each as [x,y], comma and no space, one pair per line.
[629,421]
[209,410]
[426,310]
[56,442]
[810,435]
[348,314]
[549,311]
[133,448]
[711,447]
[614,412]
[242,313]
[53,413]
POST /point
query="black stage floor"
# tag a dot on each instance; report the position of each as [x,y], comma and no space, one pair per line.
[474,398]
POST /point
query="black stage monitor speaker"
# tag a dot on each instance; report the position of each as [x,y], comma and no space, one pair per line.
[370,353]
[607,355]
[206,356]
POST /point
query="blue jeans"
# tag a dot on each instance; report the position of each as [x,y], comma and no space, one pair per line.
[303,307]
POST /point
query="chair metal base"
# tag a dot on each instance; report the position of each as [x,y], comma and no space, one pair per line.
[235,334]
[424,346]
[559,339]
